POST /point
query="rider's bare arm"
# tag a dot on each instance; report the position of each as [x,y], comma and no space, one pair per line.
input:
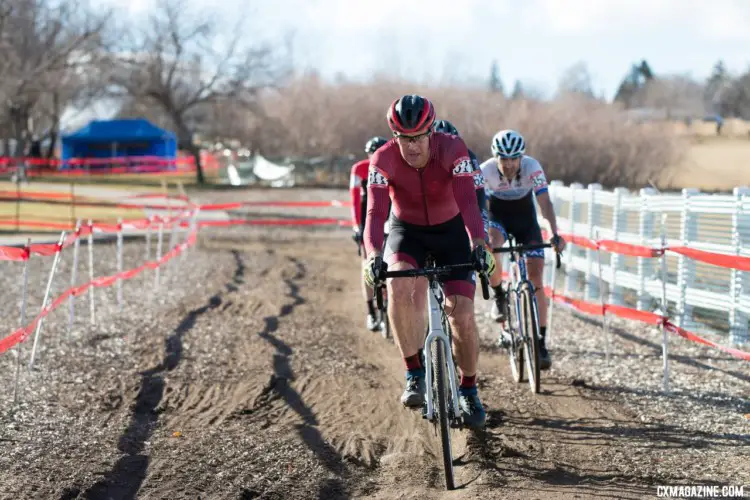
[548,211]
[378,200]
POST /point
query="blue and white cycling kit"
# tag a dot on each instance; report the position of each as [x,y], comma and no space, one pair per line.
[512,209]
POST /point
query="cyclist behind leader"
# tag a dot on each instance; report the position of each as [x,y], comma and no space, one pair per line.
[429,179]
[358,192]
[511,177]
[447,127]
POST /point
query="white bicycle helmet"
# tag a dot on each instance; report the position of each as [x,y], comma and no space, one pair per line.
[508,144]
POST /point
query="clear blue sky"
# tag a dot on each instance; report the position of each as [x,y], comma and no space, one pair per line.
[532,40]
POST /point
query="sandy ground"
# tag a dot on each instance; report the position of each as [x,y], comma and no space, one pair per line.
[249,374]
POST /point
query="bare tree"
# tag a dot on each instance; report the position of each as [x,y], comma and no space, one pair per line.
[736,99]
[182,60]
[48,48]
[495,83]
[576,80]
[679,95]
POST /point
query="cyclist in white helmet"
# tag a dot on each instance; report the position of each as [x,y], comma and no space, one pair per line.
[510,178]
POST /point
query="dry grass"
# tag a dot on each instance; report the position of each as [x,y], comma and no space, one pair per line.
[576,140]
[710,164]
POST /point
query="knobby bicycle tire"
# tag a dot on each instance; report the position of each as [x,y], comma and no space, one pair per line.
[515,329]
[441,391]
[531,324]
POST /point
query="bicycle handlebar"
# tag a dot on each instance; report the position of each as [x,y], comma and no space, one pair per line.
[528,248]
[428,272]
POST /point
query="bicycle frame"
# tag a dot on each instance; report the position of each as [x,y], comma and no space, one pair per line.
[437,334]
[519,276]
[517,272]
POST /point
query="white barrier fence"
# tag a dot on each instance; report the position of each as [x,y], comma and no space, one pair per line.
[700,296]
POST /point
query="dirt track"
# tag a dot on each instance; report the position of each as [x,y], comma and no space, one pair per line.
[259,381]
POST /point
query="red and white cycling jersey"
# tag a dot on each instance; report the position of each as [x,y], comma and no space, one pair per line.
[427,196]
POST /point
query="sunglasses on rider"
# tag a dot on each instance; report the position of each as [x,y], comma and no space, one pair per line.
[411,138]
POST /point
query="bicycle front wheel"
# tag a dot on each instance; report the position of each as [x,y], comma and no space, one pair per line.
[514,330]
[440,378]
[531,330]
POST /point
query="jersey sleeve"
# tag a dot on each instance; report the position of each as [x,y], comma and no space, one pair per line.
[378,205]
[355,192]
[464,189]
[478,177]
[537,178]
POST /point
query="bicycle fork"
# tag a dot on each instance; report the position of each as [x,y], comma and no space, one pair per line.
[436,334]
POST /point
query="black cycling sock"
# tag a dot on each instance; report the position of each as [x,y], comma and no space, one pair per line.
[543,333]
[371,307]
[499,292]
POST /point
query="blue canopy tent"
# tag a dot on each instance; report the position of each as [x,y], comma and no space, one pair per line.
[119,139]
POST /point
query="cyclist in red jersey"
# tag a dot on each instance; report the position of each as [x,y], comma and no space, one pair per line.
[429,179]
[358,191]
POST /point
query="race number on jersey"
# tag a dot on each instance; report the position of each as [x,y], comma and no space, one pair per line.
[463,167]
[376,179]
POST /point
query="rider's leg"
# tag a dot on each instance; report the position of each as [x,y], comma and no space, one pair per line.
[406,306]
[497,239]
[498,235]
[535,268]
[459,306]
[450,248]
[460,311]
[407,302]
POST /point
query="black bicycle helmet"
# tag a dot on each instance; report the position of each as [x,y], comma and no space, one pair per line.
[374,144]
[445,127]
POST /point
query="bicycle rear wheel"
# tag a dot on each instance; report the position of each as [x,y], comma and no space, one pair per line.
[531,330]
[385,323]
[515,331]
[440,379]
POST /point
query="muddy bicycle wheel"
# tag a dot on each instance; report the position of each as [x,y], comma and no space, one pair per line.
[531,330]
[514,331]
[441,391]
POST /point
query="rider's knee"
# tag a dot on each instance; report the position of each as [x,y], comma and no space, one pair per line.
[496,237]
[535,268]
[402,291]
[461,311]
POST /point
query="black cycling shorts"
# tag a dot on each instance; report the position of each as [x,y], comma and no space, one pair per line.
[447,242]
[517,218]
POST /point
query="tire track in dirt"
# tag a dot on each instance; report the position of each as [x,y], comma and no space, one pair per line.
[279,387]
[124,480]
